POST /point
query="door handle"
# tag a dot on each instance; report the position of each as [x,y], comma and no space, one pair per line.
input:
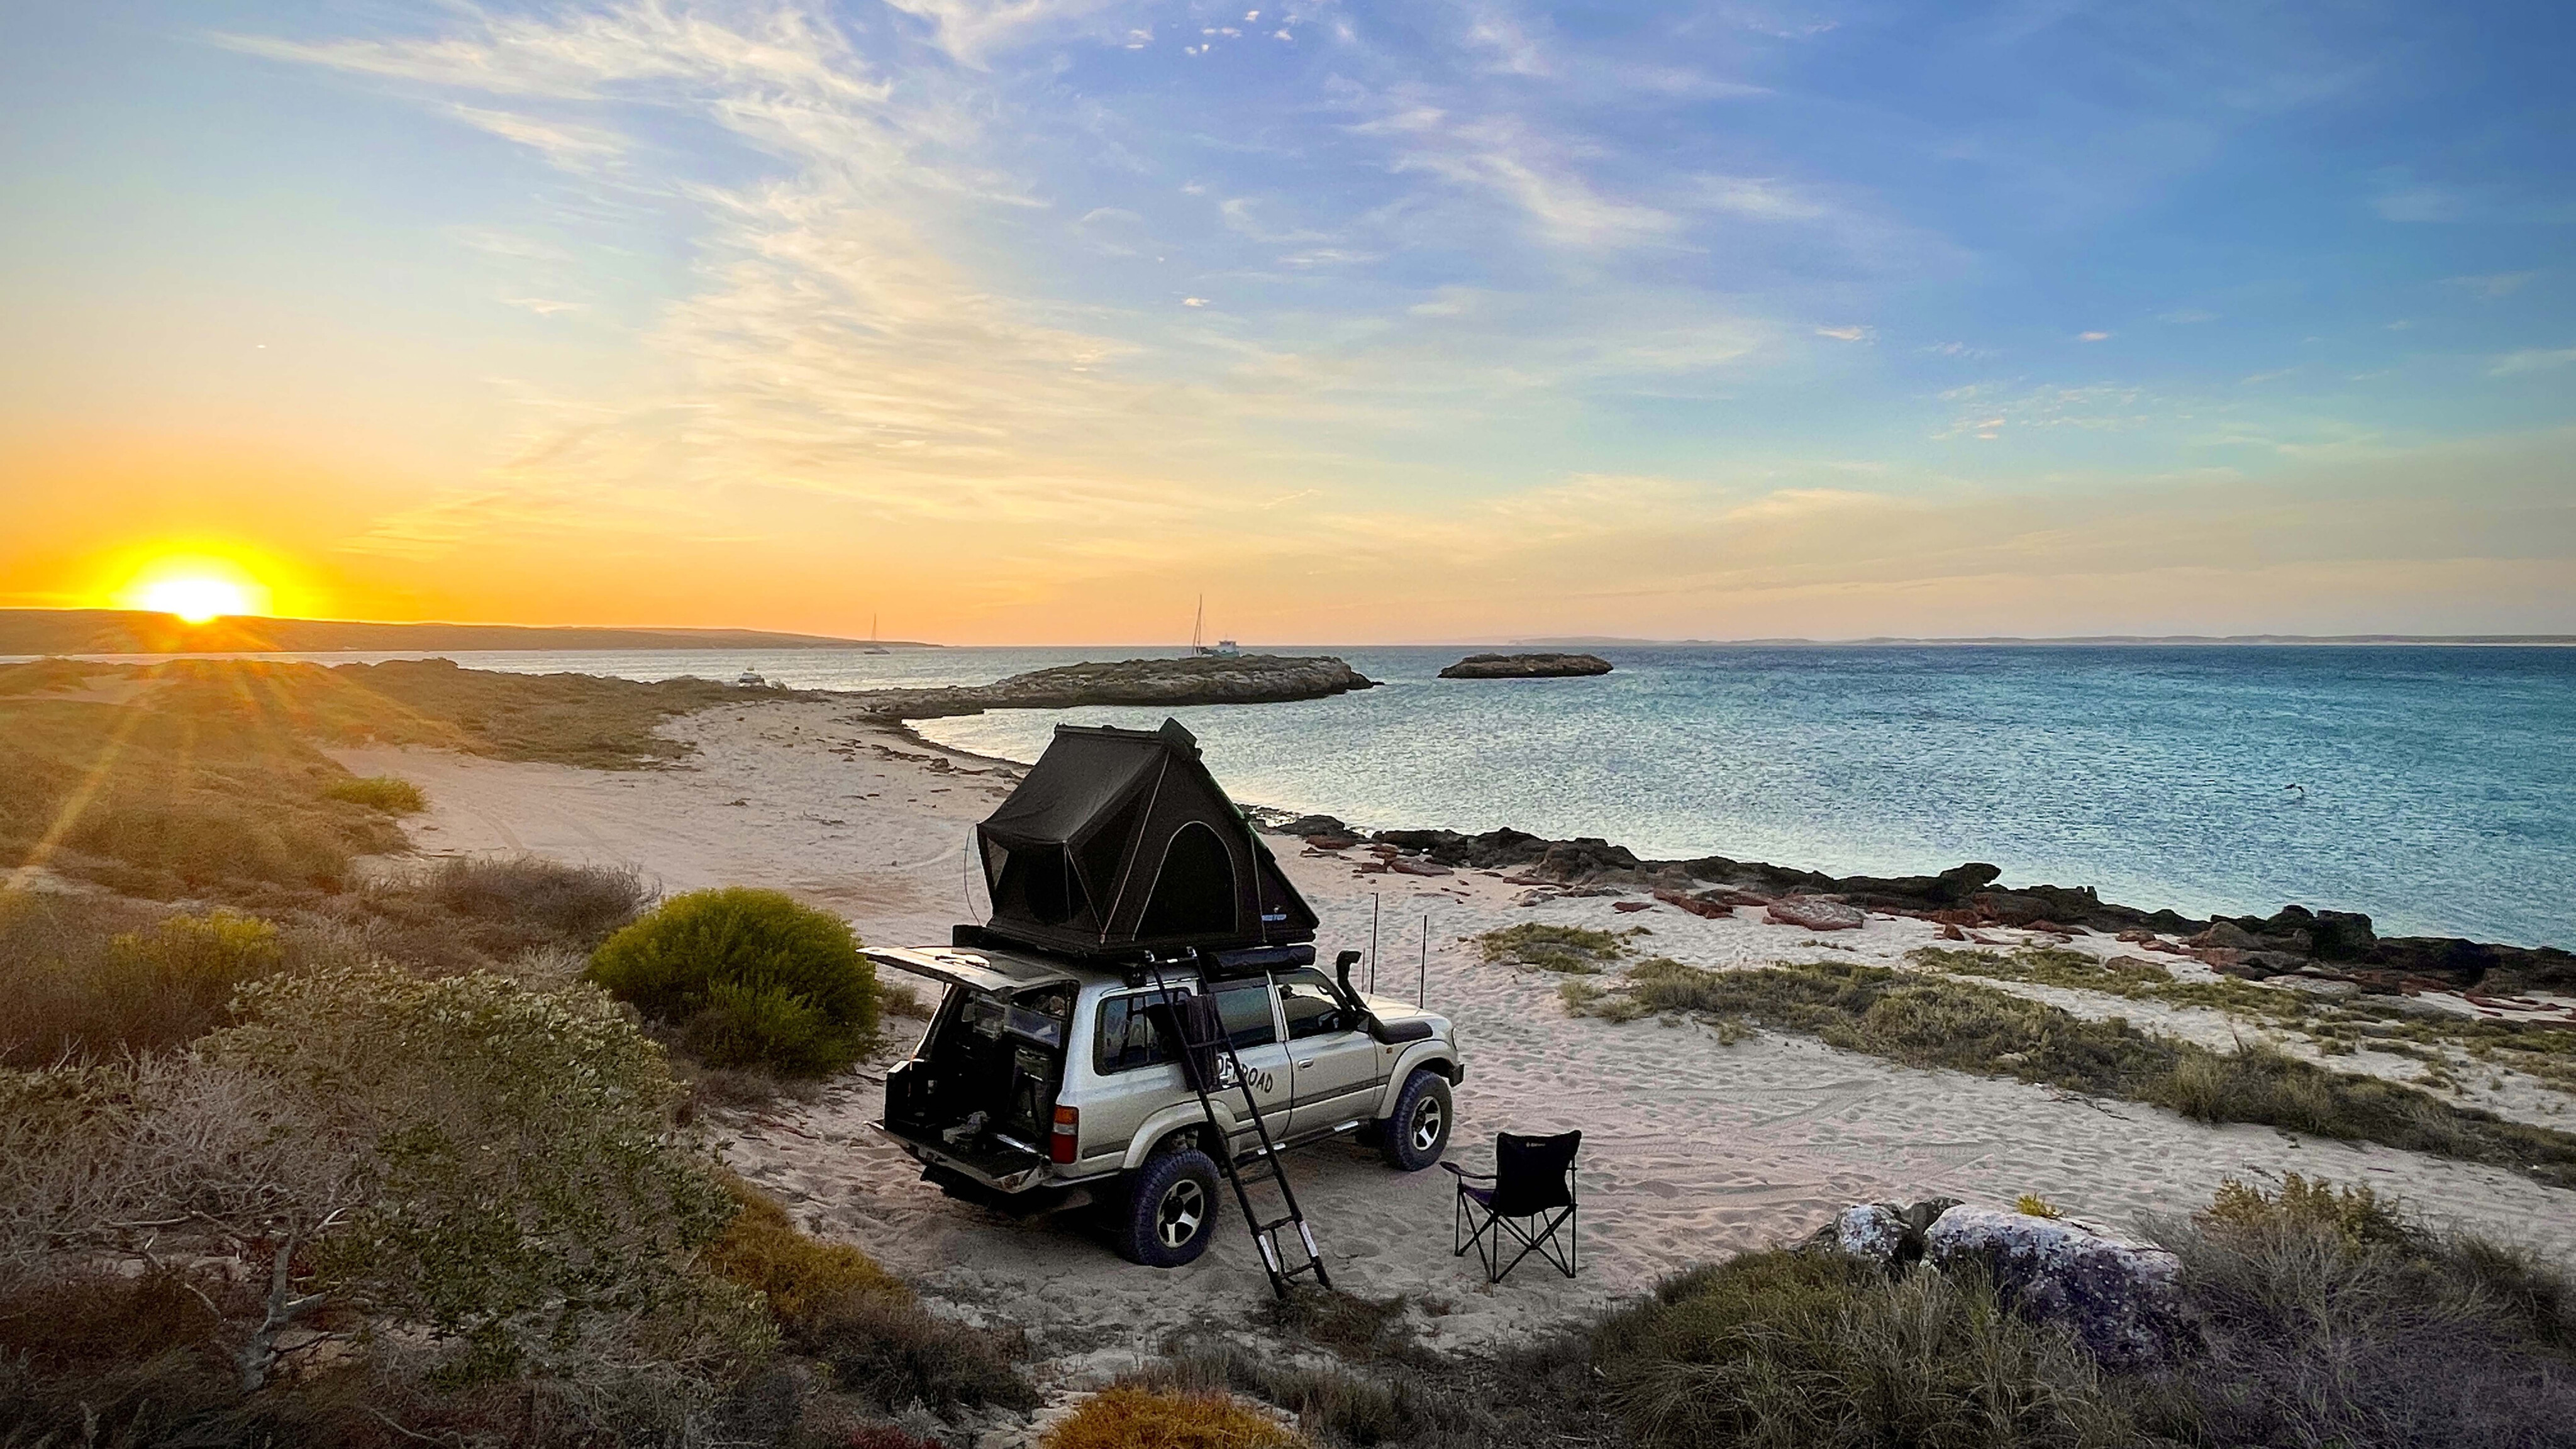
[1308,1062]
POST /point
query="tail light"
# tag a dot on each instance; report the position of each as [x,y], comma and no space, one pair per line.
[1068,1129]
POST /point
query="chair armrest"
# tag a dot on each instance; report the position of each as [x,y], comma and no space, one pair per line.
[1457,1171]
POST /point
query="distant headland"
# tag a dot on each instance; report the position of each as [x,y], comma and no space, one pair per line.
[130,631]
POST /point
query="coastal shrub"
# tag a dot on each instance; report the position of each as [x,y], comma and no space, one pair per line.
[74,986]
[1923,1022]
[801,1277]
[1787,1350]
[513,1186]
[898,1353]
[2328,1317]
[1343,1406]
[1574,950]
[560,903]
[749,978]
[378,792]
[1127,1417]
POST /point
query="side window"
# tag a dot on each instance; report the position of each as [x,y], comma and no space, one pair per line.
[1244,1006]
[1312,1007]
[1128,1037]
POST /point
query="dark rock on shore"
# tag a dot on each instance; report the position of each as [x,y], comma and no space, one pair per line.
[1233,679]
[1526,666]
[2291,941]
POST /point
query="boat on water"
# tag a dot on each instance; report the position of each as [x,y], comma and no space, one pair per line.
[873,647]
[1200,648]
[750,679]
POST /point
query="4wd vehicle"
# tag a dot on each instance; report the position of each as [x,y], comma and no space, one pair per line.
[1132,902]
[1044,1083]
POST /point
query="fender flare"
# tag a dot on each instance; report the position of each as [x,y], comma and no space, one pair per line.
[1179,1116]
[1435,1053]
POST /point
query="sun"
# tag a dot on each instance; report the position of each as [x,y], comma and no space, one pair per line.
[197,589]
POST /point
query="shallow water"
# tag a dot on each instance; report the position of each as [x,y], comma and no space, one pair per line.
[2438,784]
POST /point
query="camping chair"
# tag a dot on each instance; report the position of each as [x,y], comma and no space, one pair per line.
[1531,1198]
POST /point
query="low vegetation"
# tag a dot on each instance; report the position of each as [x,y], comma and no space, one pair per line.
[2316,1315]
[1574,950]
[2543,1051]
[1789,1350]
[204,777]
[379,792]
[1127,1417]
[747,978]
[1929,1022]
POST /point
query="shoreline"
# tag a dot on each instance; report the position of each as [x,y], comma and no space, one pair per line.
[2341,941]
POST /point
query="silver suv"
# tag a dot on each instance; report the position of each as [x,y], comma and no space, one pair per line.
[1046,1083]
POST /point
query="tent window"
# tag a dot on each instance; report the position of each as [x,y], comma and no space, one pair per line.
[1194,891]
[1041,881]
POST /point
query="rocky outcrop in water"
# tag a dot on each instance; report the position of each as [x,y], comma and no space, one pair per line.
[1526,666]
[1230,679]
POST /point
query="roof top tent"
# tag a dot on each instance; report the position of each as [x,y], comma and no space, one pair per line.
[1119,843]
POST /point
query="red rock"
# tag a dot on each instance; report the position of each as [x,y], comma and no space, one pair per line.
[1817,914]
[1416,867]
[1632,905]
[1696,905]
[1952,933]
[1331,842]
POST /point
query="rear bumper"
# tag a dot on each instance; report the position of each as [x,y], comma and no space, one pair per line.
[1009,1174]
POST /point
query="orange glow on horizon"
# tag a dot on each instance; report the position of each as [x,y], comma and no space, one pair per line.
[197,587]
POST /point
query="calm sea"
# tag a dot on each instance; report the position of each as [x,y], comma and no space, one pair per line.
[2437,785]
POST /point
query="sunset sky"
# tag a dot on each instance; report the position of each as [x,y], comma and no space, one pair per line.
[1032,321]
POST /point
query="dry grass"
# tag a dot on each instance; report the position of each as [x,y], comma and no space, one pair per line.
[1929,1022]
[1127,1417]
[1785,1350]
[2328,1317]
[2544,1051]
[85,979]
[801,1277]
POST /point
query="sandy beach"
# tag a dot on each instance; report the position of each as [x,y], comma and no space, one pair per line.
[1692,1149]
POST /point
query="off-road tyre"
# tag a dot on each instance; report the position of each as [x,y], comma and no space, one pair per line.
[1170,1211]
[1415,1134]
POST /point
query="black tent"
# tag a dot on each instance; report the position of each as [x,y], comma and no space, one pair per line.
[1120,841]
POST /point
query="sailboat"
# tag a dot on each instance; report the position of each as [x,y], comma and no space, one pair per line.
[873,646]
[1199,647]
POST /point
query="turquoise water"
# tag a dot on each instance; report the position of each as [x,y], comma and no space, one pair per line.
[2439,783]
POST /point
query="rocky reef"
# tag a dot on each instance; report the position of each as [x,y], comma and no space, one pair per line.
[1230,679]
[2294,941]
[1525,666]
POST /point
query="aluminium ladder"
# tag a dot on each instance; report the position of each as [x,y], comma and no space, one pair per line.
[1202,1037]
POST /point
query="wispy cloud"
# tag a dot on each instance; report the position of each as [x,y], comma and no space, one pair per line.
[2532,359]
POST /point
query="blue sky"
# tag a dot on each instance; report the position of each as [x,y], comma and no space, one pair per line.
[1033,320]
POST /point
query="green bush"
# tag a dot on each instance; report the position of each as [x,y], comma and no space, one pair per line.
[750,978]
[379,792]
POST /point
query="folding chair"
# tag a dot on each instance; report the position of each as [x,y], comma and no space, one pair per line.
[1532,1197]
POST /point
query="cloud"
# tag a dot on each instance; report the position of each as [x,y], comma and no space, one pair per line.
[2493,284]
[2092,336]
[1848,334]
[2532,359]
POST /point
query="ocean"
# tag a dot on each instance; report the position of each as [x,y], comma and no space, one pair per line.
[2436,786]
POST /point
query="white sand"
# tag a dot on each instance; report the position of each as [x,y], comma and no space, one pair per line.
[1692,1150]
